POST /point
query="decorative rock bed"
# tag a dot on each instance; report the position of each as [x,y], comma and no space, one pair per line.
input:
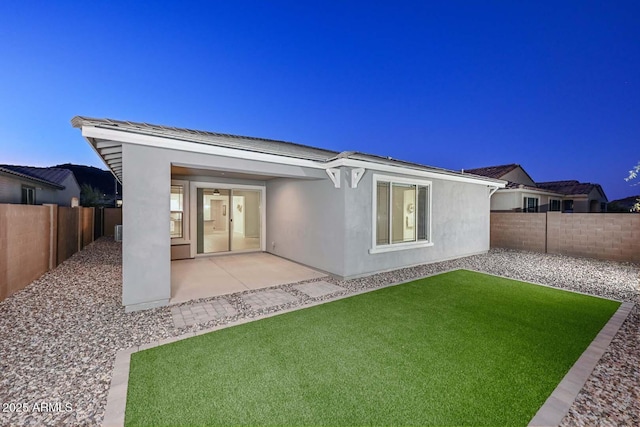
[61,333]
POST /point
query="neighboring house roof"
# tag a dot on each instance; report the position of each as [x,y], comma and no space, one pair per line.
[571,187]
[496,172]
[113,155]
[53,177]
[515,185]
[568,187]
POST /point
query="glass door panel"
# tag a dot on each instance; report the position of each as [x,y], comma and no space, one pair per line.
[246,220]
[213,220]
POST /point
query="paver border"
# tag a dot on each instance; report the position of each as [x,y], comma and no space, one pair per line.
[557,405]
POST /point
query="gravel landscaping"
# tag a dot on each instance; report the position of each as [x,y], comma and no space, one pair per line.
[61,333]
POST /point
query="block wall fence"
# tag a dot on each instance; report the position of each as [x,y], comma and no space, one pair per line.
[608,236]
[35,239]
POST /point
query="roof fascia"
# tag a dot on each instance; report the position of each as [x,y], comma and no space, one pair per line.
[123,136]
[413,172]
[529,190]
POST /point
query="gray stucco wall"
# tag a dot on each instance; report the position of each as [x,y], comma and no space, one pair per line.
[331,229]
[146,267]
[459,227]
[305,221]
[10,190]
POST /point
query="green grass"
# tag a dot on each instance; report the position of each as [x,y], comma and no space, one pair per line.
[459,348]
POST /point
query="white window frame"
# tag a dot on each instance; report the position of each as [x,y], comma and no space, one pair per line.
[390,247]
[551,199]
[185,213]
[28,195]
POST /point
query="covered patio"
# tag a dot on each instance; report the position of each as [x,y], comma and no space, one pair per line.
[219,275]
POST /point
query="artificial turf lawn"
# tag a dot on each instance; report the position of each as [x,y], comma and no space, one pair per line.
[454,349]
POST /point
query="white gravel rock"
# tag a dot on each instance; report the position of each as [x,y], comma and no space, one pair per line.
[61,333]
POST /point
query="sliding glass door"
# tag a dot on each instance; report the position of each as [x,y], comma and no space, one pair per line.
[228,220]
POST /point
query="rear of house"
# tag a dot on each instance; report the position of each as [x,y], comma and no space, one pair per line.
[193,193]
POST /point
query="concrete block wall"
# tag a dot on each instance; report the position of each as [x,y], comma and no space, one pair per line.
[597,235]
[24,242]
[523,231]
[607,236]
[30,239]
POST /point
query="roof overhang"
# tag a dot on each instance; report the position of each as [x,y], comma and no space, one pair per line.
[533,191]
[107,143]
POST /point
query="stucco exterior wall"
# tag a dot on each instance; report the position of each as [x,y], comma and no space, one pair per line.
[459,227]
[519,176]
[146,268]
[10,190]
[305,222]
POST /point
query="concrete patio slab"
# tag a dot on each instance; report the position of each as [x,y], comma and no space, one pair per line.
[221,275]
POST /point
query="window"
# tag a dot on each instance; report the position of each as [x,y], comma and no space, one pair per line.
[402,213]
[567,206]
[554,205]
[28,195]
[530,204]
[177,211]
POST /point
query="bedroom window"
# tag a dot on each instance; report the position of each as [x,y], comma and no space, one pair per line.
[402,213]
[554,205]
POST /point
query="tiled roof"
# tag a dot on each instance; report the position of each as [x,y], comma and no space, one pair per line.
[50,176]
[570,187]
[495,172]
[248,143]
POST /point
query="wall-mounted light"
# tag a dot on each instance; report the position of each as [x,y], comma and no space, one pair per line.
[216,192]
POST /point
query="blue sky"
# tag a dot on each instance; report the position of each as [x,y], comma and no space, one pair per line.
[553,86]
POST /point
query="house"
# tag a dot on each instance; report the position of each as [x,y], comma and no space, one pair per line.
[522,194]
[192,193]
[35,186]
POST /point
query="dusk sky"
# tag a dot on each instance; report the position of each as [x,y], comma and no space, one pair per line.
[553,86]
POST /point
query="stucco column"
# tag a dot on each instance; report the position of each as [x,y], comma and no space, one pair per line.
[146,245]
